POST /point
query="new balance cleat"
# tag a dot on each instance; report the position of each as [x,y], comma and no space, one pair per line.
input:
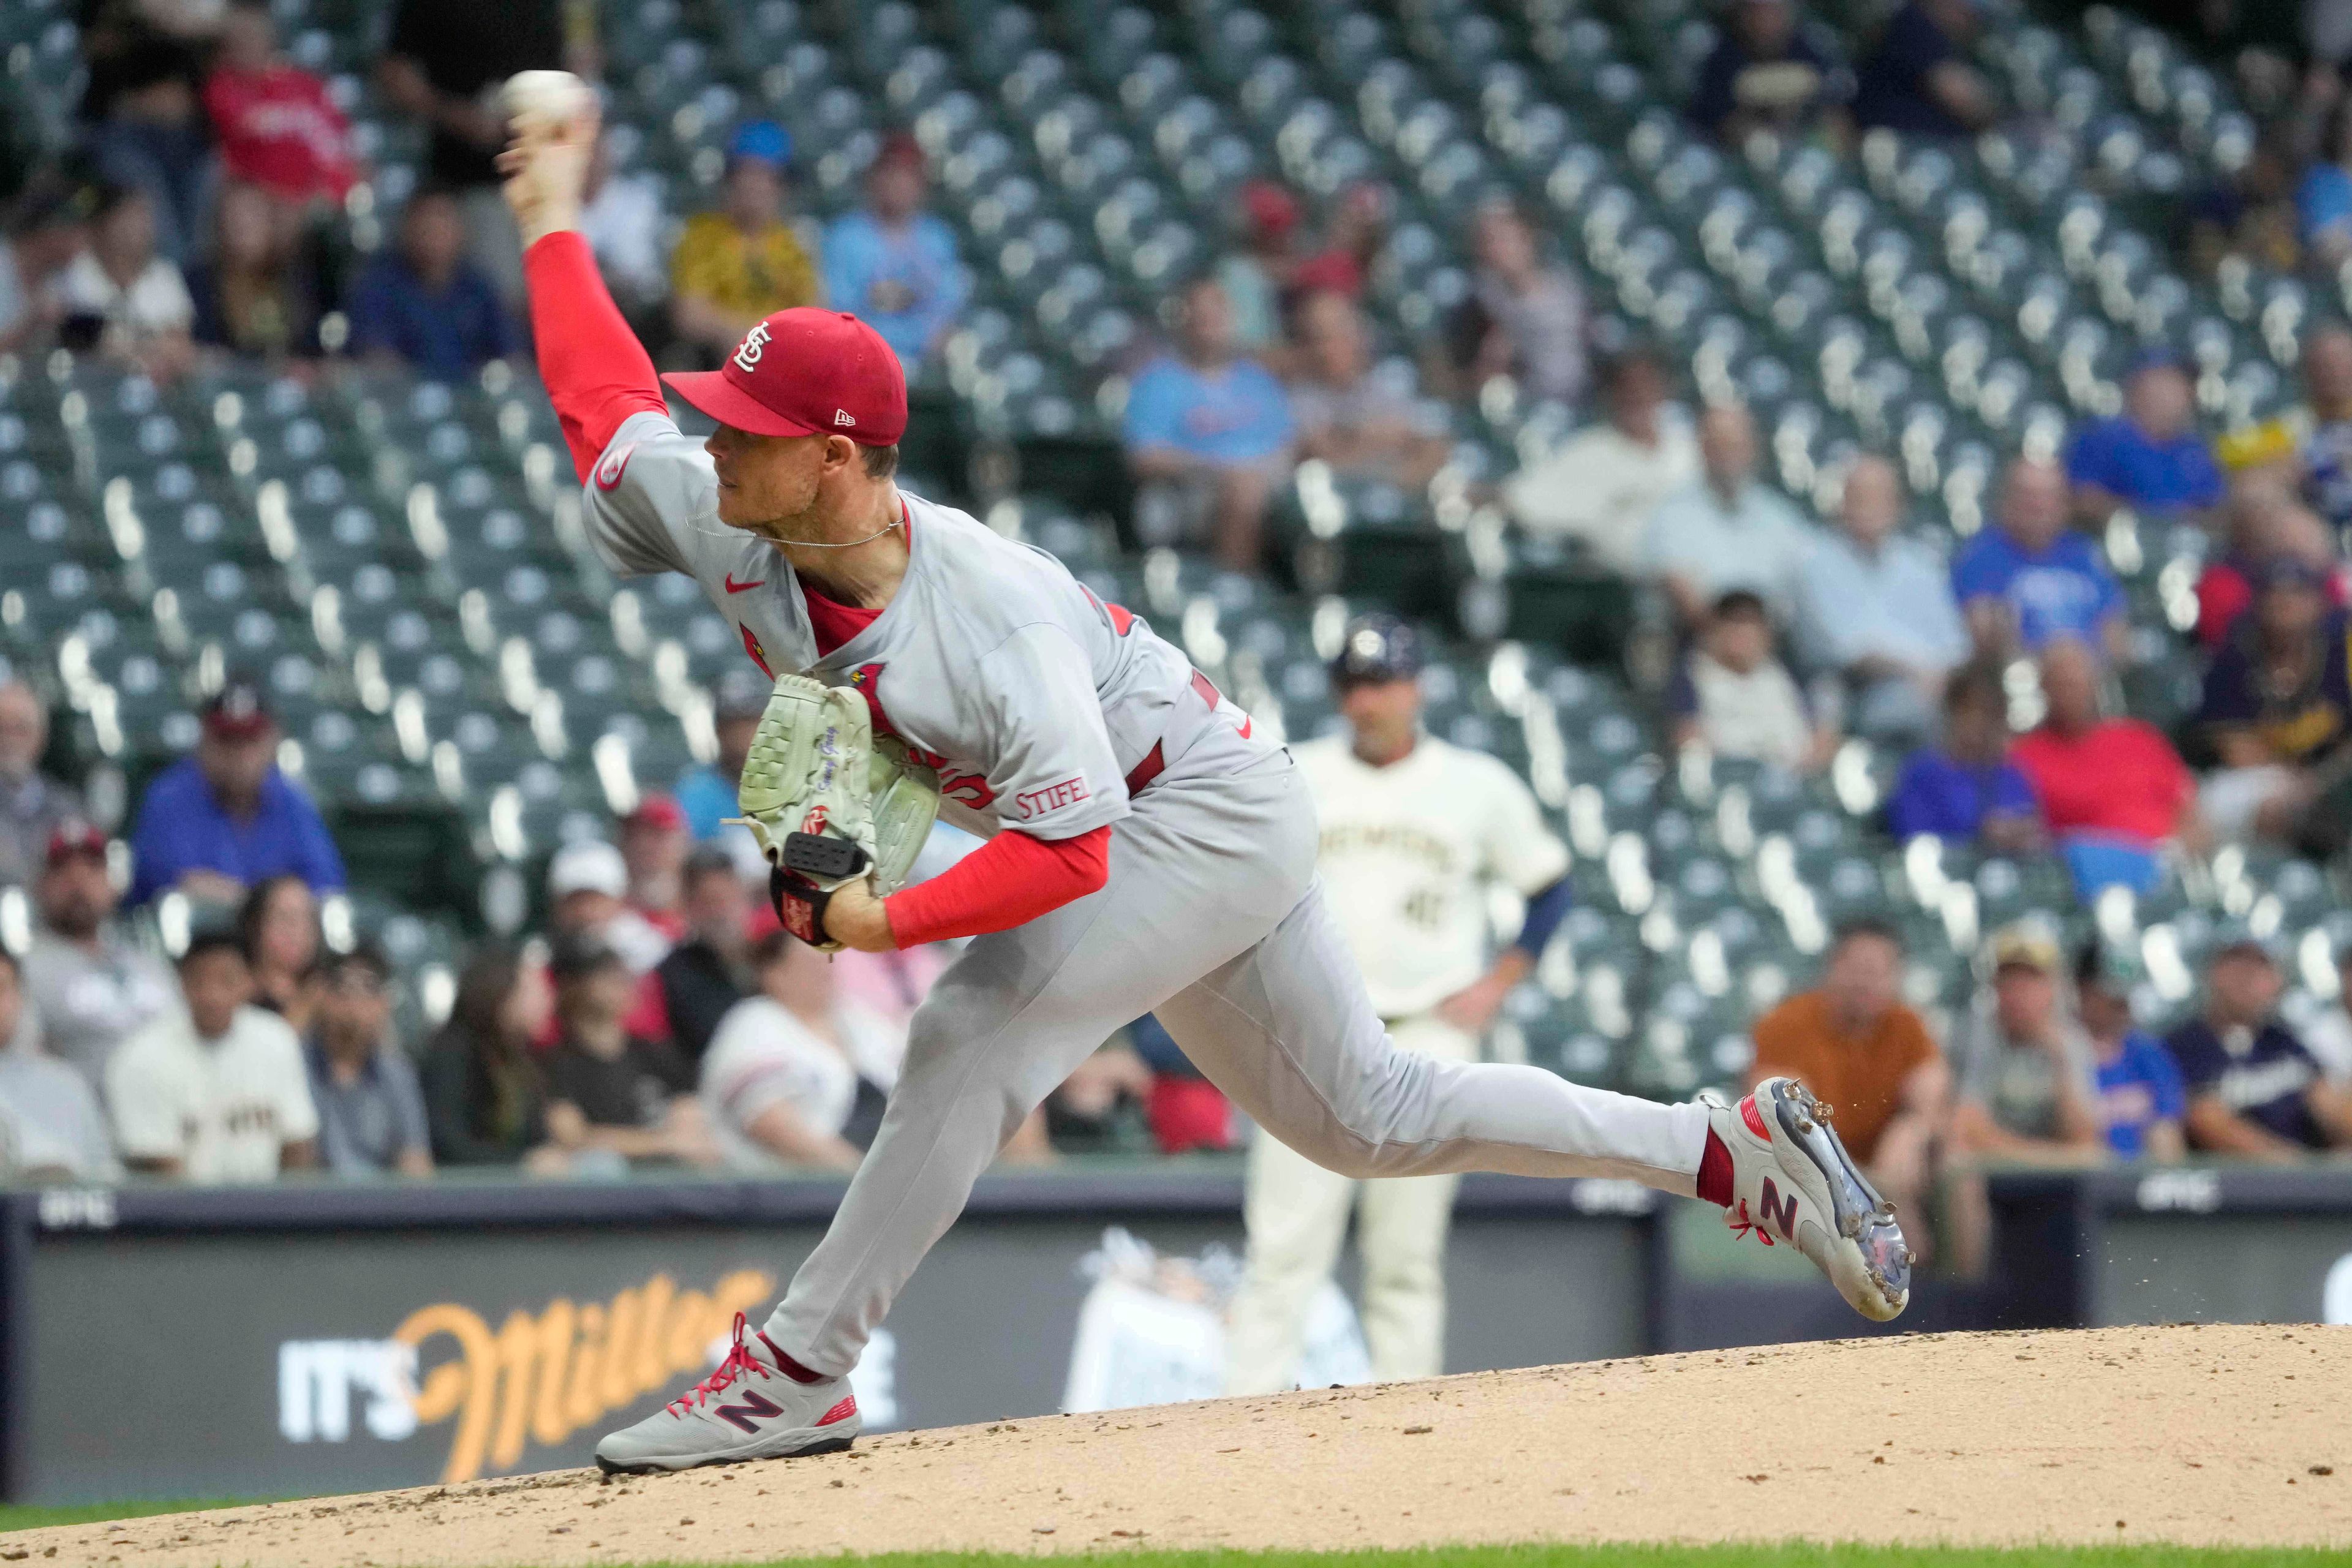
[748,1409]
[1792,1181]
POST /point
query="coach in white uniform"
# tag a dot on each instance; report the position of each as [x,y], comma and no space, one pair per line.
[1414,831]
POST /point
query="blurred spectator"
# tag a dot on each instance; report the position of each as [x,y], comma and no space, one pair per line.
[2141,1101]
[653,846]
[214,823]
[1737,699]
[371,1109]
[1605,483]
[1104,1107]
[706,791]
[1525,318]
[278,927]
[279,130]
[442,64]
[2029,578]
[47,228]
[422,303]
[143,121]
[2278,713]
[1728,530]
[2150,457]
[89,986]
[1878,607]
[1256,278]
[797,1074]
[622,218]
[588,894]
[2308,448]
[1185,1111]
[2249,212]
[1916,78]
[485,1098]
[1350,415]
[742,262]
[51,1128]
[1966,789]
[2323,199]
[255,295]
[122,298]
[2328,1035]
[216,1093]
[892,264]
[608,1089]
[1854,1043]
[2264,526]
[2113,791]
[2254,1091]
[2024,1069]
[710,969]
[32,805]
[1351,243]
[1765,74]
[1208,436]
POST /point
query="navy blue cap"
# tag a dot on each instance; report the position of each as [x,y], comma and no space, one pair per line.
[1377,647]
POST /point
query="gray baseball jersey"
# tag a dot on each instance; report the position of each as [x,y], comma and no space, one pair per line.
[1031,698]
[1036,702]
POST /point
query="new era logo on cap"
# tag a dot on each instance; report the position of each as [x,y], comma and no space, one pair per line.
[805,371]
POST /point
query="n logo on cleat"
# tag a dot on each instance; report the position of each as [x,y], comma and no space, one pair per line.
[751,1405]
[1780,1212]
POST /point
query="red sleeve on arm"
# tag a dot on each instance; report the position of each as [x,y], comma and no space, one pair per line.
[1008,881]
[596,371]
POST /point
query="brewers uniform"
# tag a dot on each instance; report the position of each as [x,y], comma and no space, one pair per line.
[1406,855]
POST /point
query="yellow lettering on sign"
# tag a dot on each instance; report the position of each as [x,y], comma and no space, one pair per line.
[544,1375]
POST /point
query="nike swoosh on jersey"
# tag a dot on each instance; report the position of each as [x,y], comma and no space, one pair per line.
[735,587]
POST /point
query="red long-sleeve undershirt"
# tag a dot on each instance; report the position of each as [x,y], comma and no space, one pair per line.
[597,376]
[596,371]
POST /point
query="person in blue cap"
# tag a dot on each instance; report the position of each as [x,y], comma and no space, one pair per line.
[2151,457]
[736,265]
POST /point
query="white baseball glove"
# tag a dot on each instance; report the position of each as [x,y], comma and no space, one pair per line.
[828,801]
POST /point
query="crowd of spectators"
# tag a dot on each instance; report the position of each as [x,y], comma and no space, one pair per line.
[215,203]
[2047,1066]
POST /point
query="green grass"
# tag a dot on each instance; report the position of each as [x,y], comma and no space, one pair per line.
[33,1516]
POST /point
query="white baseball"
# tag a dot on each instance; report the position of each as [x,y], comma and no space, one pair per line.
[544,102]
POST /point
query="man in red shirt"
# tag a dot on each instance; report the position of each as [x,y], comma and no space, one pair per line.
[2113,791]
[276,126]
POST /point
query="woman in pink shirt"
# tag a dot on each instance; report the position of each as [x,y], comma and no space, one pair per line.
[2113,791]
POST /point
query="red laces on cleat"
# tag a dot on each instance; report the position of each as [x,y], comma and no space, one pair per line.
[1743,1226]
[738,1361]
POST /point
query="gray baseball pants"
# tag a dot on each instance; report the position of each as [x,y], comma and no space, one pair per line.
[1213,920]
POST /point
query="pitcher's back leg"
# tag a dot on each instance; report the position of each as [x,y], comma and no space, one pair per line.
[1286,1031]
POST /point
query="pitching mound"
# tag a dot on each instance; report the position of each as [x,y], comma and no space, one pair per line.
[2207,1435]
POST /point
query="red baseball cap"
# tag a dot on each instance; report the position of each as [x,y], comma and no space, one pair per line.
[71,837]
[657,810]
[805,371]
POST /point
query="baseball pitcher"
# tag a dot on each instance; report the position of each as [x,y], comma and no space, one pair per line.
[1148,851]
[1413,832]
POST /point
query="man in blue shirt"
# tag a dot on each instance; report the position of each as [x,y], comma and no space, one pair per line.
[2150,458]
[1208,436]
[894,264]
[2141,1094]
[425,304]
[1917,80]
[2254,1090]
[2028,580]
[214,823]
[1968,789]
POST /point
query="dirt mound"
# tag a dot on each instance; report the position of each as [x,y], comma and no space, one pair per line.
[2213,1434]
